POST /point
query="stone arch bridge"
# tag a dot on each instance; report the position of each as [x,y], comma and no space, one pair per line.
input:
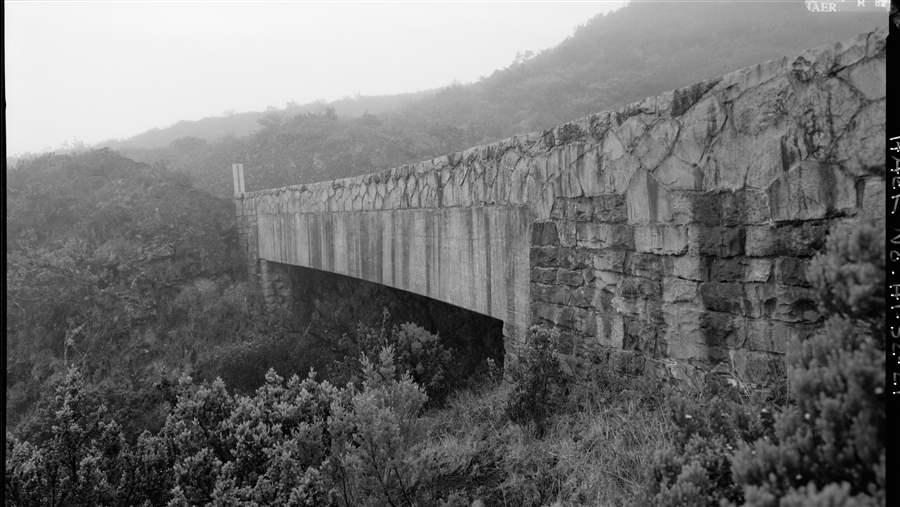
[671,234]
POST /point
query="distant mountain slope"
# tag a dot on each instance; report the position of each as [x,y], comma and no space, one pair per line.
[243,124]
[638,51]
[214,127]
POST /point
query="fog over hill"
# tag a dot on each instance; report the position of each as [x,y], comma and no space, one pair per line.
[638,51]
[235,124]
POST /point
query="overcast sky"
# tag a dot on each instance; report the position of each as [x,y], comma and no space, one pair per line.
[92,71]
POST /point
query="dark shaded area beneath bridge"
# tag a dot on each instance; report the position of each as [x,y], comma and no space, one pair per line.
[332,305]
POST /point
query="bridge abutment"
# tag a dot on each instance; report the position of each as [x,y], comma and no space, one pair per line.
[248,237]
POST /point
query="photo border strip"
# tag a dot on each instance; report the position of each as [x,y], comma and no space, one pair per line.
[892,246]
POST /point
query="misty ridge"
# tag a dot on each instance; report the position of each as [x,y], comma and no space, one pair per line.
[143,368]
[611,60]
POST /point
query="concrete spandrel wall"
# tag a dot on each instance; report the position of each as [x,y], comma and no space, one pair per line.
[674,231]
[475,258]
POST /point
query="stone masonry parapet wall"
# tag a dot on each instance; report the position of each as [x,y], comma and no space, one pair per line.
[742,130]
[674,232]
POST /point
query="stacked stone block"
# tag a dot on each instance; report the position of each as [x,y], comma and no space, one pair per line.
[688,249]
[276,284]
[678,297]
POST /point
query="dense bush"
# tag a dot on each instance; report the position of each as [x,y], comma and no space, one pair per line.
[539,383]
[849,275]
[416,351]
[294,442]
[709,425]
[373,434]
[262,448]
[306,442]
[78,455]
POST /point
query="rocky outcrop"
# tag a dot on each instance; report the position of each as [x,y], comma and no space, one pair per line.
[671,234]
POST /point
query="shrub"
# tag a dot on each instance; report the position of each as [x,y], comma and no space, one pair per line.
[266,448]
[833,434]
[278,439]
[427,360]
[849,274]
[539,383]
[415,350]
[709,424]
[294,442]
[76,457]
[373,433]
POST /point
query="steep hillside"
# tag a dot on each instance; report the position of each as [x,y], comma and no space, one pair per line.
[103,257]
[637,51]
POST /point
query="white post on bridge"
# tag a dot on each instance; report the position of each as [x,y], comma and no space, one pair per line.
[237,174]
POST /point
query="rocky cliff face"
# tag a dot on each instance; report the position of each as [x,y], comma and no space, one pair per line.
[671,234]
